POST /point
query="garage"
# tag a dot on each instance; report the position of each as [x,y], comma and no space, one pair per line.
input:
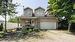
[48,23]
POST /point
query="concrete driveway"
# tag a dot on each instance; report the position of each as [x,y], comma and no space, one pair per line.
[47,36]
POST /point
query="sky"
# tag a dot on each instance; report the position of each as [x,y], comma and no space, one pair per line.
[29,3]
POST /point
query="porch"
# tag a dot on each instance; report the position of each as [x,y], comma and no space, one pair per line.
[30,22]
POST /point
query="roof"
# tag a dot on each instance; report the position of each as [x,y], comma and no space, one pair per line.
[23,17]
[52,17]
[40,8]
[28,8]
[42,17]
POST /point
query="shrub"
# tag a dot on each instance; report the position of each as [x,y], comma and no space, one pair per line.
[1,33]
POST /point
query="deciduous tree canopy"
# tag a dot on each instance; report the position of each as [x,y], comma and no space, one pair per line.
[10,8]
[61,8]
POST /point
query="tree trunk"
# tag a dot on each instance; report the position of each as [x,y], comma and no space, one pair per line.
[69,27]
[5,23]
[18,22]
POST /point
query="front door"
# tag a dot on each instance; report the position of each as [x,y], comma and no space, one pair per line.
[31,22]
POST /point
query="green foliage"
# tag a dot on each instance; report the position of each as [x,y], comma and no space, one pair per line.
[72,19]
[1,9]
[14,20]
[7,8]
[27,30]
[61,8]
[1,33]
[10,8]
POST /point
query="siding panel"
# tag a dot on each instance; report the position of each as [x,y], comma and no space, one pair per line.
[48,25]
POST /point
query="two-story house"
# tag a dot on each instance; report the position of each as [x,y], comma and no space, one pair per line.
[38,19]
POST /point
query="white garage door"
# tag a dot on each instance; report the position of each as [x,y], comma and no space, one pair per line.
[48,25]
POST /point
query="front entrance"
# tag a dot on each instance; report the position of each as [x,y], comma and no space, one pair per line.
[30,23]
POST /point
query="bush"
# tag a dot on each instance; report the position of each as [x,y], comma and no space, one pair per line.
[1,33]
[27,30]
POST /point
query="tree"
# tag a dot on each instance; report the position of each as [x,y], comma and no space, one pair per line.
[72,20]
[6,8]
[60,9]
[1,9]
[14,20]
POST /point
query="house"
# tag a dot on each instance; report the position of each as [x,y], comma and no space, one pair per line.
[40,19]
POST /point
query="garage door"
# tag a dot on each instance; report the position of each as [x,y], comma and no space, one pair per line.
[48,25]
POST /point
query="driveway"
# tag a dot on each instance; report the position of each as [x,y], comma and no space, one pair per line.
[46,36]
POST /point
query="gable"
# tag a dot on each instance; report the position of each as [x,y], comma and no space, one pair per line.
[28,12]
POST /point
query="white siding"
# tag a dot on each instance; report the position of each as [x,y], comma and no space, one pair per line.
[39,12]
[28,12]
[48,25]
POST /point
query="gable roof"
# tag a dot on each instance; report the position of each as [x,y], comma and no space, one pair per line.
[28,8]
[40,8]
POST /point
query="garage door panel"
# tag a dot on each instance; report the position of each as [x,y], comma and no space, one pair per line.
[48,25]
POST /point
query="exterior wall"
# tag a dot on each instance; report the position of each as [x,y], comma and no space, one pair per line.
[47,20]
[23,22]
[39,12]
[42,23]
[28,12]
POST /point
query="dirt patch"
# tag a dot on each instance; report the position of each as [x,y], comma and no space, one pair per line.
[46,36]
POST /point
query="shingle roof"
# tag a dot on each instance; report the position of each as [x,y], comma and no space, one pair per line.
[40,8]
[28,8]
